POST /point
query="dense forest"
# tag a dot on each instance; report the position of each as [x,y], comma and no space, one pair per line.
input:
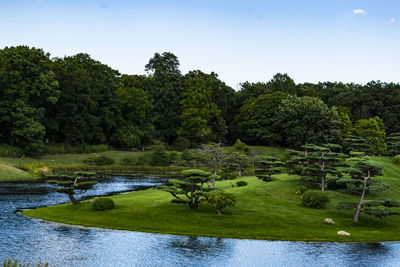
[77,100]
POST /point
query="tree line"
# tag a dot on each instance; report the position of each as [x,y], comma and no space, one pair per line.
[78,100]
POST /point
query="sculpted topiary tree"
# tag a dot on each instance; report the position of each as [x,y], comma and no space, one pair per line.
[270,166]
[361,174]
[393,144]
[318,163]
[355,143]
[191,189]
[77,184]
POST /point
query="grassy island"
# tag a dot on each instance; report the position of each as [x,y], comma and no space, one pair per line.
[265,210]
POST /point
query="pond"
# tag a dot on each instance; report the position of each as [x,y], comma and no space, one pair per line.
[62,245]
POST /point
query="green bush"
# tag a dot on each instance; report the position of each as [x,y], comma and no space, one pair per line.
[15,263]
[228,176]
[99,161]
[241,183]
[314,199]
[128,162]
[10,151]
[181,143]
[396,160]
[301,189]
[103,204]
[159,156]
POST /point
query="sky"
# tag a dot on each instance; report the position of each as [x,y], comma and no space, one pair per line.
[247,40]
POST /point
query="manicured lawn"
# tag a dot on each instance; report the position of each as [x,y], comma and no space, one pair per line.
[264,211]
[11,173]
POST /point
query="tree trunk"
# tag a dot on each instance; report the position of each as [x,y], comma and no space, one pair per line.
[358,211]
[74,200]
[219,211]
[323,184]
[240,173]
[212,183]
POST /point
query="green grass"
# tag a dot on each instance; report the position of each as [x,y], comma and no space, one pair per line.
[9,173]
[264,211]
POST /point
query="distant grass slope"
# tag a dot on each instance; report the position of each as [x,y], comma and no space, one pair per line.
[265,210]
[9,173]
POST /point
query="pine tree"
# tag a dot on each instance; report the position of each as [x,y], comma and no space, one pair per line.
[355,143]
[318,164]
[270,166]
[77,184]
[393,144]
[361,174]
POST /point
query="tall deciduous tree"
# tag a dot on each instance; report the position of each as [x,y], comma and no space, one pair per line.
[166,91]
[373,131]
[27,88]
[302,120]
[88,108]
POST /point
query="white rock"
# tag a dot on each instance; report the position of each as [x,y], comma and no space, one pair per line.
[343,233]
[329,221]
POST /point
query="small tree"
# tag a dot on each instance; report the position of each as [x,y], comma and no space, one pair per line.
[373,131]
[238,161]
[361,174]
[317,163]
[191,190]
[214,157]
[221,200]
[270,166]
[240,147]
[77,184]
[355,143]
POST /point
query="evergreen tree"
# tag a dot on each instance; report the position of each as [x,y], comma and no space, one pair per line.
[191,190]
[361,174]
[393,144]
[318,164]
[270,166]
[356,144]
[77,184]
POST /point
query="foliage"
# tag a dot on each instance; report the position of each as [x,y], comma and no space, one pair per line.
[361,173]
[77,184]
[16,263]
[240,147]
[27,88]
[159,156]
[396,159]
[241,183]
[214,156]
[228,176]
[314,199]
[301,189]
[103,203]
[373,131]
[393,144]
[191,189]
[181,143]
[10,151]
[270,166]
[78,149]
[355,144]
[318,164]
[99,161]
[255,122]
[302,120]
[221,200]
[237,161]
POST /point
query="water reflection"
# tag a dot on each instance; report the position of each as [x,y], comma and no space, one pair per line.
[63,245]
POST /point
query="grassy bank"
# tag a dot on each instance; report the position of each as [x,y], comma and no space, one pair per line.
[264,211]
[11,173]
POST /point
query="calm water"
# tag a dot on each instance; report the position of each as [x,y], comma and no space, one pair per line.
[61,245]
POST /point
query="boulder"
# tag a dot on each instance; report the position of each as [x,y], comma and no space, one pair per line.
[329,221]
[343,233]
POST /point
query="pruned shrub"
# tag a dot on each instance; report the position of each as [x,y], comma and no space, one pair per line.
[314,199]
[103,203]
[128,161]
[159,156]
[396,160]
[301,189]
[228,176]
[99,161]
[241,183]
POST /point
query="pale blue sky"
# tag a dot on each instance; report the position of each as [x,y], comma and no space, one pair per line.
[311,40]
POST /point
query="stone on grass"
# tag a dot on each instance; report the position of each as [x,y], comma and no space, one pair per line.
[343,233]
[329,221]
